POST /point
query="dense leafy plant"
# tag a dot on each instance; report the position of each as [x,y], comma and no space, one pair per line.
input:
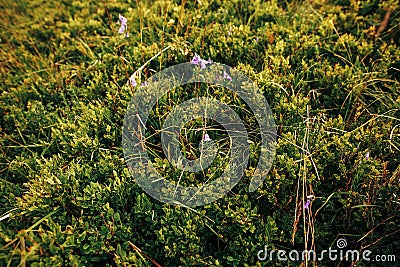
[329,74]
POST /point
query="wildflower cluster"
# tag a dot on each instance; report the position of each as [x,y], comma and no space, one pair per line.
[198,60]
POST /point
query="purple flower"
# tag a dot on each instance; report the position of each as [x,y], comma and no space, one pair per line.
[307,204]
[122,19]
[122,29]
[143,84]
[132,80]
[196,59]
[203,63]
[226,76]
[124,25]
[367,156]
[206,138]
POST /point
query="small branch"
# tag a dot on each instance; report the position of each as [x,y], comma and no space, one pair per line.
[144,254]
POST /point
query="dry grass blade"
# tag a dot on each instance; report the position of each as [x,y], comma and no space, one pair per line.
[384,22]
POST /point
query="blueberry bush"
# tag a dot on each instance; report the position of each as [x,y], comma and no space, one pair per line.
[329,69]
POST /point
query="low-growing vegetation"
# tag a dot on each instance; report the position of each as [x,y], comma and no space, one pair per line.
[330,71]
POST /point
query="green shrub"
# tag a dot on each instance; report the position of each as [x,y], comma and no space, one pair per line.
[67,197]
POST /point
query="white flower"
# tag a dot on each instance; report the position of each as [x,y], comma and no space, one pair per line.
[206,138]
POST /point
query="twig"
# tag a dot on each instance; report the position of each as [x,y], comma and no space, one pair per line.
[144,254]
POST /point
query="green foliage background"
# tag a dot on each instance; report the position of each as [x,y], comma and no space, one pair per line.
[332,84]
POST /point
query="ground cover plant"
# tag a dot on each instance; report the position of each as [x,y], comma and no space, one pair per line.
[330,71]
